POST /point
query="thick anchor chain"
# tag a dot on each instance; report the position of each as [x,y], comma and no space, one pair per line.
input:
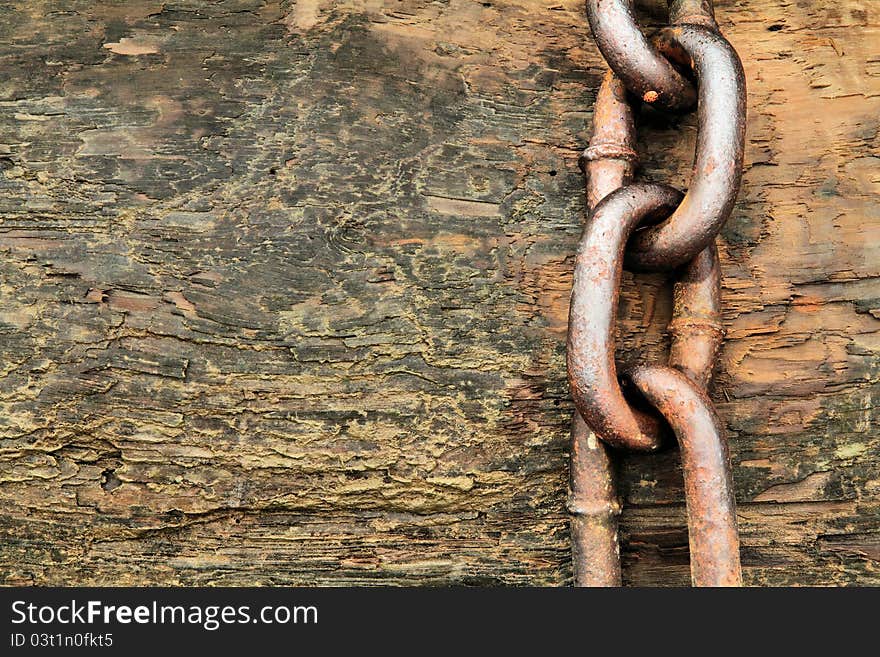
[650,227]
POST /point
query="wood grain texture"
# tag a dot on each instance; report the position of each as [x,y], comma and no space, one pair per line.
[284,287]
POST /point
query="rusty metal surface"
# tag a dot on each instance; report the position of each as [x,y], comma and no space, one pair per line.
[711,508]
[610,160]
[697,12]
[631,56]
[717,170]
[594,507]
[654,227]
[598,270]
[608,163]
[696,331]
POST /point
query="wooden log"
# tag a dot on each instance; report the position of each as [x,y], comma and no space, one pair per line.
[285,288]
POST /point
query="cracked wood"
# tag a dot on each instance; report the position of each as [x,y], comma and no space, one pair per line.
[285,285]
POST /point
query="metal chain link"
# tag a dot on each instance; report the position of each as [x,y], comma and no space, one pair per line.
[651,227]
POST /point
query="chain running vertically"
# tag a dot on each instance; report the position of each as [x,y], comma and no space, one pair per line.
[650,227]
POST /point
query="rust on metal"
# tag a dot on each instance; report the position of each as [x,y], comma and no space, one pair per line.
[711,508]
[632,57]
[598,270]
[717,169]
[696,331]
[609,162]
[610,159]
[654,227]
[696,12]
[594,507]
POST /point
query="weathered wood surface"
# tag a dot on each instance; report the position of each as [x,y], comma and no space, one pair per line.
[284,294]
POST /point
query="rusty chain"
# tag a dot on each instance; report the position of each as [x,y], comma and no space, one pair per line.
[652,227]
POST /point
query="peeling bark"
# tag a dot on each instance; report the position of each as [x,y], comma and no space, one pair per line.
[285,288]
